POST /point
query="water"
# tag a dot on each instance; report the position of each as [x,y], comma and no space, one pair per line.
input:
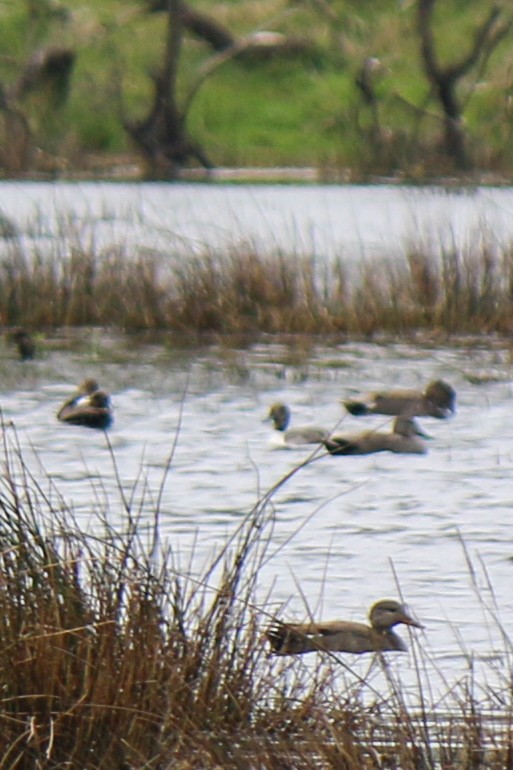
[347,529]
[353,222]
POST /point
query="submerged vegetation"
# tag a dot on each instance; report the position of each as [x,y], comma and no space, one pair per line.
[114,656]
[439,290]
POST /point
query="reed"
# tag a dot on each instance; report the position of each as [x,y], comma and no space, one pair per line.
[239,291]
[113,655]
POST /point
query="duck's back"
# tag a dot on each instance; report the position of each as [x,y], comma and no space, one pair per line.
[308,434]
[390,402]
[335,636]
[398,402]
[87,416]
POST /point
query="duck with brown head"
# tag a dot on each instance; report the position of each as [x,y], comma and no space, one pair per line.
[406,437]
[344,635]
[438,400]
[89,406]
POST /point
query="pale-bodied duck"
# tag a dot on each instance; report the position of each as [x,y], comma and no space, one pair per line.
[438,400]
[89,406]
[344,635]
[405,438]
[279,415]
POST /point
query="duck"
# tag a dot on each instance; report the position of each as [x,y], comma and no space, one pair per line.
[25,344]
[344,635]
[89,406]
[406,437]
[280,414]
[438,400]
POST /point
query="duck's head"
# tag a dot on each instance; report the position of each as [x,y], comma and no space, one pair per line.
[19,334]
[408,427]
[279,414]
[100,400]
[442,396]
[388,613]
[88,387]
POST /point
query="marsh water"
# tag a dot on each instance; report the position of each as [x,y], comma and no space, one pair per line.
[350,222]
[348,530]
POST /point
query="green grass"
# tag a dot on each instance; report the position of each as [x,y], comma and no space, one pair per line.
[304,110]
[267,128]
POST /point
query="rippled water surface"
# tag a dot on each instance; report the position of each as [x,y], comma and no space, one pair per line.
[346,528]
[344,525]
[323,220]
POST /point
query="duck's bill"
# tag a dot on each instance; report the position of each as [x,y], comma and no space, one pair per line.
[408,621]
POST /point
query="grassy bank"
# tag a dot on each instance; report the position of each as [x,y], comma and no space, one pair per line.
[114,656]
[434,289]
[304,109]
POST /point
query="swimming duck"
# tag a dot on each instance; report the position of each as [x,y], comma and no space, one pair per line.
[344,635]
[24,343]
[279,415]
[438,400]
[90,406]
[405,438]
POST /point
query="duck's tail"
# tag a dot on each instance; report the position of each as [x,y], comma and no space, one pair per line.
[340,446]
[285,640]
[356,408]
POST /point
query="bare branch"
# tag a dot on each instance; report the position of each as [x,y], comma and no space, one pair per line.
[444,80]
[483,37]
[200,24]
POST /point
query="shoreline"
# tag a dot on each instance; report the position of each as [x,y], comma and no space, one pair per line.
[129,168]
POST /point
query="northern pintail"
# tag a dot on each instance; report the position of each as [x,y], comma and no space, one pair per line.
[279,415]
[438,400]
[344,635]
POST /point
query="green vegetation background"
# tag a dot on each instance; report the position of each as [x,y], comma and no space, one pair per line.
[302,110]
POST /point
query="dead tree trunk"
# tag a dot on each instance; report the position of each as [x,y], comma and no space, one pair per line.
[162,136]
[445,80]
[200,24]
[47,72]
[15,140]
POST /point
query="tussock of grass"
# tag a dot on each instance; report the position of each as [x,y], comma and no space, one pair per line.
[113,657]
[243,291]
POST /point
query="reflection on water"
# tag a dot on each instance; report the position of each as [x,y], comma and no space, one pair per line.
[346,527]
[352,222]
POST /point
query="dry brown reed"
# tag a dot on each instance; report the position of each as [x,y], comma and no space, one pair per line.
[114,658]
[439,289]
